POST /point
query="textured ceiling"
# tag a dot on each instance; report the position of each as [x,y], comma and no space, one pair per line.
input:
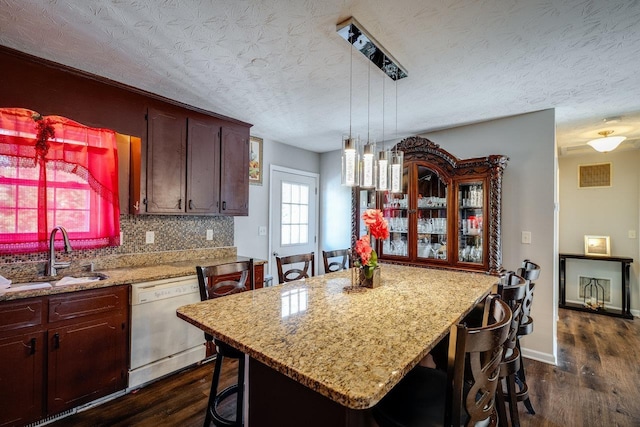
[280,64]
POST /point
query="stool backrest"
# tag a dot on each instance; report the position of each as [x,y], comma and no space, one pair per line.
[225,279]
[342,263]
[477,351]
[530,271]
[513,290]
[293,273]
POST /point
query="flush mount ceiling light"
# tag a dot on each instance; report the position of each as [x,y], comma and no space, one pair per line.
[353,32]
[607,143]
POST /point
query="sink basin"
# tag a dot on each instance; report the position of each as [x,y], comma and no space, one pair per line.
[47,282]
[79,279]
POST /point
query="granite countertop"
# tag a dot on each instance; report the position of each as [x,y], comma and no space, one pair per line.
[350,347]
[123,276]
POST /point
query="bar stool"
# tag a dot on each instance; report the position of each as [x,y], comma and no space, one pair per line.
[293,273]
[342,263]
[530,271]
[430,397]
[512,289]
[214,282]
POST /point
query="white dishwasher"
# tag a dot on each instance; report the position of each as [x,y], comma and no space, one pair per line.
[162,343]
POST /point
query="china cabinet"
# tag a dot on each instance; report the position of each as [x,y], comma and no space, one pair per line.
[448,213]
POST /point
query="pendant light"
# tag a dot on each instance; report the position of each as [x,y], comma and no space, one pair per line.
[397,159]
[383,155]
[607,143]
[368,169]
[350,157]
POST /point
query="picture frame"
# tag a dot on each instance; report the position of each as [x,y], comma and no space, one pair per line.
[255,161]
[597,245]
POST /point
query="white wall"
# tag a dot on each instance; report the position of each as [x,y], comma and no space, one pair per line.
[247,240]
[335,204]
[612,211]
[529,198]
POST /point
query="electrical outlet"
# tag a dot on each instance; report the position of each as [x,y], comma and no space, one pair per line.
[209,234]
[526,237]
[150,237]
[262,230]
[632,234]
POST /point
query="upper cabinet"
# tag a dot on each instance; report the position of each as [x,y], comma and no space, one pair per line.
[196,166]
[448,213]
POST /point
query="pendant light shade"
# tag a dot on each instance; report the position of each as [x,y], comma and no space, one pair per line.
[607,143]
[397,159]
[350,162]
[368,169]
[383,170]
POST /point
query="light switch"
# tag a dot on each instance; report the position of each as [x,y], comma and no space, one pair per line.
[209,234]
[632,234]
[526,237]
[150,237]
[262,230]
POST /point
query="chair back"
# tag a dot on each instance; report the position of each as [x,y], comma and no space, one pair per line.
[288,273]
[477,351]
[341,263]
[530,271]
[512,290]
[225,279]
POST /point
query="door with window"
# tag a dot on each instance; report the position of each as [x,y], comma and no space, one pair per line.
[293,214]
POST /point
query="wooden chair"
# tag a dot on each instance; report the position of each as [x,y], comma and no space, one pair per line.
[464,395]
[293,273]
[530,271]
[342,263]
[214,282]
[512,290]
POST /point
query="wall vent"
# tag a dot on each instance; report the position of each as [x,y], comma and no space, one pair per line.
[594,175]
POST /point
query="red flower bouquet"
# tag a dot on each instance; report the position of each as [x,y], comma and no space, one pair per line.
[378,229]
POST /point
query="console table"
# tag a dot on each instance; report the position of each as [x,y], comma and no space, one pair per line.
[625,264]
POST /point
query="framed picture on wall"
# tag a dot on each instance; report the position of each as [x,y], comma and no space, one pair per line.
[597,245]
[255,161]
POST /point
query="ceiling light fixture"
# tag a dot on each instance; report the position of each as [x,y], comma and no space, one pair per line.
[362,168]
[607,143]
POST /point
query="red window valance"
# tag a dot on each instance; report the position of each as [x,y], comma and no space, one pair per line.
[54,171]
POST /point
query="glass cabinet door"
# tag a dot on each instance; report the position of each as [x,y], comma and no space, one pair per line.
[431,215]
[367,200]
[396,212]
[471,222]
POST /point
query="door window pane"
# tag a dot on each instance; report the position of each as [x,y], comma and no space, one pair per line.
[295,214]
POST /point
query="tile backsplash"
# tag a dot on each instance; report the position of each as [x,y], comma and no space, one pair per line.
[172,233]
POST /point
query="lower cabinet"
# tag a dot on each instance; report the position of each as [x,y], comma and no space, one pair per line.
[82,341]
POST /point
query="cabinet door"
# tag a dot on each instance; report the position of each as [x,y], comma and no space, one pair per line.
[166,147]
[203,167]
[396,212]
[471,229]
[21,376]
[234,177]
[86,361]
[432,222]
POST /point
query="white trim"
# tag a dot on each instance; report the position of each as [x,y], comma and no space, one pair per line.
[540,356]
[314,175]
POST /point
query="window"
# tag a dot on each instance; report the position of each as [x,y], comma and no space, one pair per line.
[294,224]
[65,177]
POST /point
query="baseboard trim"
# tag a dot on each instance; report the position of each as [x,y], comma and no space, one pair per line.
[540,356]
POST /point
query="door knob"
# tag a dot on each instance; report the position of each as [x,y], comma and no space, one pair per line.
[275,254]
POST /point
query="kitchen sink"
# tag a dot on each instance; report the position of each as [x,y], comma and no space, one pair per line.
[47,282]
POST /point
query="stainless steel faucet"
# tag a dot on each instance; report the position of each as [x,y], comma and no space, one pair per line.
[53,266]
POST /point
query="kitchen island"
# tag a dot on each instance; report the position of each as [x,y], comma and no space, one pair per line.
[321,356]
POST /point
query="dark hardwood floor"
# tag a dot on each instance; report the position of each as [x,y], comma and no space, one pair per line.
[595,384]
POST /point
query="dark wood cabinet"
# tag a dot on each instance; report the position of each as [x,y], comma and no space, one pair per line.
[22,356]
[196,166]
[448,213]
[61,351]
[88,338]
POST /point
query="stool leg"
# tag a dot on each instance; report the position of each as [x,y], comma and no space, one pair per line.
[513,403]
[500,406]
[240,396]
[522,382]
[214,390]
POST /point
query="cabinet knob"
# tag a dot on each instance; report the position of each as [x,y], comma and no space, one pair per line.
[190,205]
[224,206]
[179,203]
[56,341]
[32,346]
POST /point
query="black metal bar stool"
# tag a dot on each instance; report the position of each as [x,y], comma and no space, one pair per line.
[530,271]
[214,282]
